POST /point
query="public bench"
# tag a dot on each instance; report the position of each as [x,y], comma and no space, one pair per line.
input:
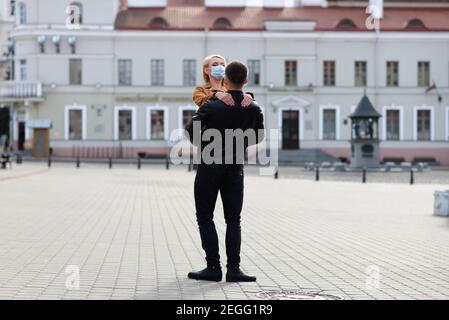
[6,158]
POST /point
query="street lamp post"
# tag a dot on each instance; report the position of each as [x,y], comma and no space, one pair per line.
[10,57]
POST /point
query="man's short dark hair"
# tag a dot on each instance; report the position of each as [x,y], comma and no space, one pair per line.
[236,73]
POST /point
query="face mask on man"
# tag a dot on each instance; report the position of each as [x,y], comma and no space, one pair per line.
[218,72]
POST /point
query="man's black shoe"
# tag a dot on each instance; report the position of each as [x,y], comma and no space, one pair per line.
[237,275]
[209,274]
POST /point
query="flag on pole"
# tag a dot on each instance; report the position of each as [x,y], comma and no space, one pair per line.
[431,87]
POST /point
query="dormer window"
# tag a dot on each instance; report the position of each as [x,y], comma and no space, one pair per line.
[159,22]
[222,23]
[346,24]
[415,24]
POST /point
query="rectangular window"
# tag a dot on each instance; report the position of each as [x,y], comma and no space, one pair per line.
[423,125]
[75,71]
[329,73]
[392,73]
[75,124]
[186,116]
[189,74]
[23,70]
[329,127]
[125,124]
[125,72]
[157,72]
[360,73]
[291,76]
[423,73]
[157,125]
[253,72]
[392,125]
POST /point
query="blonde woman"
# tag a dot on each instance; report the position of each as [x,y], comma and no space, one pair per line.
[213,87]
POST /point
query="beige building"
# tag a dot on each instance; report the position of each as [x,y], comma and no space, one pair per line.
[103,78]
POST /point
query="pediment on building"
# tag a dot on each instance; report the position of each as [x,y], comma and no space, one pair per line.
[290,102]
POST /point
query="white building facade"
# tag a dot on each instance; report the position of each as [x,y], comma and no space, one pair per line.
[121,81]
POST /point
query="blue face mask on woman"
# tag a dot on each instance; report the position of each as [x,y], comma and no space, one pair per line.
[218,72]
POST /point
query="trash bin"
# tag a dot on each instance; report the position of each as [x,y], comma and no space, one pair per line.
[441,204]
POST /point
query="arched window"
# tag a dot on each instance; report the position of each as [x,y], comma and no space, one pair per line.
[222,23]
[158,22]
[22,18]
[415,24]
[346,24]
[76,13]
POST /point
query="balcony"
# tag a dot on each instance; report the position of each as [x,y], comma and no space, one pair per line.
[12,91]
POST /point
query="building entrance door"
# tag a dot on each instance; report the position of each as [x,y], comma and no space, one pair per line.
[290,129]
[41,142]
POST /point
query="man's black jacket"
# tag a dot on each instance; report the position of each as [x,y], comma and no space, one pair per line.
[215,114]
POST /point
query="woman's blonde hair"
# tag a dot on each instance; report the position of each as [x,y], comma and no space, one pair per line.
[206,63]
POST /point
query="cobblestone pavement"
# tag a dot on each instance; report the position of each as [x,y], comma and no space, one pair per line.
[132,234]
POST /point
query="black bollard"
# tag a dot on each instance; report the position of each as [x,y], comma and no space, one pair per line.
[77,162]
[317,174]
[276,173]
[167,164]
[189,168]
[412,177]
[138,163]
[110,163]
[49,162]
[364,175]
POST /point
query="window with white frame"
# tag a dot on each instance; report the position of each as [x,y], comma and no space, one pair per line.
[23,70]
[157,124]
[189,72]
[329,116]
[423,124]
[125,124]
[186,115]
[157,72]
[75,71]
[392,124]
[329,73]
[125,72]
[423,73]
[392,73]
[75,122]
[253,72]
[329,124]
[291,73]
[360,73]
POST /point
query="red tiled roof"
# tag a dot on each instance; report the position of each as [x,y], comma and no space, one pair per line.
[251,18]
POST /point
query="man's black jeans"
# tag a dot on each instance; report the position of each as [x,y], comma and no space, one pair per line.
[228,179]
